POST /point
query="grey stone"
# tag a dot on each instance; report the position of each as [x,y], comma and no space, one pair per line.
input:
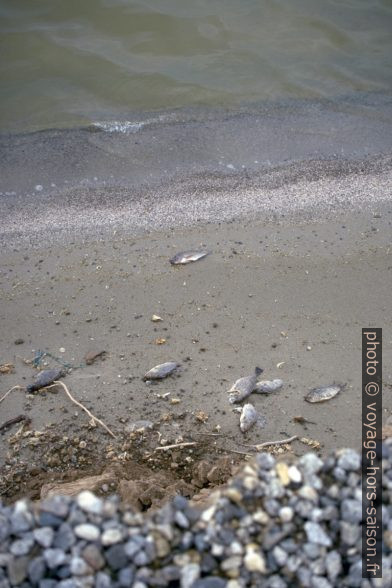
[47,519]
[355,574]
[36,569]
[56,505]
[44,536]
[310,464]
[349,460]
[93,556]
[47,583]
[21,519]
[116,556]
[333,564]
[351,511]
[87,531]
[17,570]
[126,576]
[276,582]
[349,533]
[22,546]
[265,461]
[133,546]
[320,582]
[316,534]
[102,580]
[90,503]
[210,582]
[280,556]
[79,567]
[141,558]
[54,557]
[312,550]
[4,528]
[64,537]
[189,574]
[181,520]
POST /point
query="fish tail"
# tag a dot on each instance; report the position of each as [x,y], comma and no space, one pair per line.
[258,371]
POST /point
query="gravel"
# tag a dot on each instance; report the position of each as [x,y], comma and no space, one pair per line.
[279,530]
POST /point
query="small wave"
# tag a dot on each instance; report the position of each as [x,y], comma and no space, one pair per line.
[129,126]
[119,126]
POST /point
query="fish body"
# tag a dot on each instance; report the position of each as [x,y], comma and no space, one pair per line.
[249,417]
[45,378]
[161,371]
[188,256]
[243,387]
[324,393]
[268,386]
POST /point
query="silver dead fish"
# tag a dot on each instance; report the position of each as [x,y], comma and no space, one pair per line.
[188,256]
[243,387]
[268,386]
[324,393]
[45,378]
[249,417]
[161,371]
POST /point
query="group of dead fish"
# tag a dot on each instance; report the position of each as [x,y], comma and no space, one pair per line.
[240,390]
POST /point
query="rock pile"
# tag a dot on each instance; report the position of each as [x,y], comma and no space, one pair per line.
[275,525]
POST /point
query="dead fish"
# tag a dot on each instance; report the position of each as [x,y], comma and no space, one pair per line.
[243,387]
[249,417]
[188,256]
[91,356]
[45,378]
[324,393]
[160,371]
[268,386]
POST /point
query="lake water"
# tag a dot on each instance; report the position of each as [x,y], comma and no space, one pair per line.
[70,63]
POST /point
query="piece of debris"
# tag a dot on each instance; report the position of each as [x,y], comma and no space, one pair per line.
[91,483]
[13,421]
[188,256]
[44,379]
[201,416]
[139,426]
[90,414]
[268,386]
[6,368]
[176,446]
[261,446]
[243,387]
[161,371]
[160,341]
[324,393]
[175,400]
[310,442]
[91,356]
[302,420]
[280,364]
[155,318]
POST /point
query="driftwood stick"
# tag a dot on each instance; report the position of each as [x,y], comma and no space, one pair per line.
[6,394]
[176,445]
[269,443]
[16,419]
[90,414]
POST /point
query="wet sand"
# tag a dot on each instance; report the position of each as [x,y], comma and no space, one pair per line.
[299,263]
[289,297]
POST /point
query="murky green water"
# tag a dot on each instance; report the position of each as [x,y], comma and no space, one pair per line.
[71,62]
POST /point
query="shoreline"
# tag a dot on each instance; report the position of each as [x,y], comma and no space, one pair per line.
[297,245]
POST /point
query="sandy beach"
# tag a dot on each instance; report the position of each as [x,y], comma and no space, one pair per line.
[299,262]
[290,297]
